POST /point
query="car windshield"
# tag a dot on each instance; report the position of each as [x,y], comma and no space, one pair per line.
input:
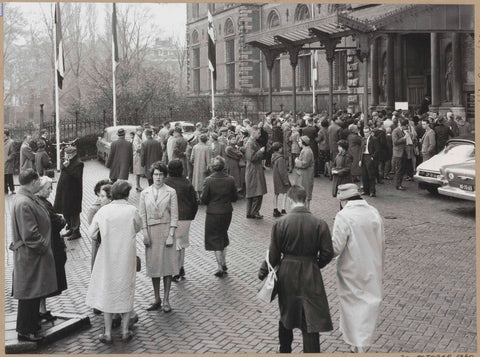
[188,129]
[460,150]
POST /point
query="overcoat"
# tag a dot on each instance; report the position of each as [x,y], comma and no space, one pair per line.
[428,144]
[27,157]
[312,133]
[399,142]
[68,197]
[442,134]
[354,144]
[9,156]
[186,197]
[120,160]
[138,168]
[233,156]
[58,245]
[112,283]
[306,245]
[151,152]
[281,182]
[33,264]
[179,152]
[216,149]
[303,172]
[42,161]
[254,173]
[333,136]
[342,165]
[219,191]
[359,242]
[200,159]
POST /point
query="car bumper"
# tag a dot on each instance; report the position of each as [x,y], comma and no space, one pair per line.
[427,181]
[456,192]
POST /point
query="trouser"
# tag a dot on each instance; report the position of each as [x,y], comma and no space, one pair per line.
[399,164]
[28,318]
[73,222]
[315,165]
[381,170]
[311,341]
[369,171]
[253,205]
[409,167]
[9,183]
[323,158]
[388,167]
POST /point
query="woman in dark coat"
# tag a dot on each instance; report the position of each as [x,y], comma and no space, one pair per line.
[354,144]
[281,182]
[187,209]
[306,245]
[232,161]
[341,167]
[57,242]
[219,191]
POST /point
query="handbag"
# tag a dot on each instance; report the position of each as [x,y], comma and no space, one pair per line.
[139,264]
[269,289]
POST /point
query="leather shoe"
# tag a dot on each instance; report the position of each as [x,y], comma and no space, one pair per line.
[167,308]
[29,337]
[258,216]
[373,195]
[154,306]
[219,274]
[401,188]
[250,216]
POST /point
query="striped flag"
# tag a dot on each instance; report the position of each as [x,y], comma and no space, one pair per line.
[212,61]
[114,37]
[59,54]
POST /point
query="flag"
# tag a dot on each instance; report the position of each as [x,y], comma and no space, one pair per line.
[59,58]
[212,61]
[314,66]
[114,38]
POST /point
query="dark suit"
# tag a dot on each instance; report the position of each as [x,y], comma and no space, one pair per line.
[151,152]
[369,164]
[306,245]
[120,160]
[382,154]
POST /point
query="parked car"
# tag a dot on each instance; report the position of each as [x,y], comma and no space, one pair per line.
[187,127]
[459,180]
[457,151]
[110,135]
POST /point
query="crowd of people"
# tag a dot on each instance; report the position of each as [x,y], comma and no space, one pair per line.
[217,165]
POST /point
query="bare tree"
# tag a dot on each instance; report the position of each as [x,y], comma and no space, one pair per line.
[181,57]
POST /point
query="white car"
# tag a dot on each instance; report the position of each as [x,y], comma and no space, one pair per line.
[187,127]
[455,152]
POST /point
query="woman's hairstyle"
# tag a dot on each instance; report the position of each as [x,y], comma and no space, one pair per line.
[343,144]
[108,190]
[276,146]
[120,190]
[44,181]
[27,176]
[160,166]
[297,194]
[218,163]
[175,168]
[99,185]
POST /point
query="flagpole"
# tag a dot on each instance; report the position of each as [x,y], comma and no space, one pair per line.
[113,84]
[57,105]
[314,68]
[213,95]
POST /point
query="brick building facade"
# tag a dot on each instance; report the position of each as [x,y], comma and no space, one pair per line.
[400,57]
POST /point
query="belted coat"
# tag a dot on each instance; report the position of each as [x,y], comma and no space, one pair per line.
[254,174]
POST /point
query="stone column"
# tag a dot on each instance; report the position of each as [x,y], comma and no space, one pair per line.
[457,70]
[435,70]
[374,62]
[390,72]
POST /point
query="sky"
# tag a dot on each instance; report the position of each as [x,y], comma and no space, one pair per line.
[170,17]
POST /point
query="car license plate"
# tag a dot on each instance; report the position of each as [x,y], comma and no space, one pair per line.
[467,187]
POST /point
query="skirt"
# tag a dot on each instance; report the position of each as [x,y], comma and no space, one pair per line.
[161,260]
[182,234]
[216,231]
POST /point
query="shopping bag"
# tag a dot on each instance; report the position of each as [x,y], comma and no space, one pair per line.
[268,291]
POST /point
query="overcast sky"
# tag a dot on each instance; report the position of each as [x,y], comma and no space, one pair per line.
[171,18]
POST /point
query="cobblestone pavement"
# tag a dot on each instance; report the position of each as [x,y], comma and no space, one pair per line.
[430,286]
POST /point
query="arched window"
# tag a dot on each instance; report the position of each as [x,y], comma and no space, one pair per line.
[273,19]
[195,37]
[302,12]
[228,28]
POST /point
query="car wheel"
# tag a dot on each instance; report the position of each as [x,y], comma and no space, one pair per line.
[433,190]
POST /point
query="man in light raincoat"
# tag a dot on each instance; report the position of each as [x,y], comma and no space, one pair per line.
[359,243]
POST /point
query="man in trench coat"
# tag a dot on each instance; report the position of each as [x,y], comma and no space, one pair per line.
[34,274]
[120,160]
[306,245]
[359,243]
[151,152]
[69,194]
[256,185]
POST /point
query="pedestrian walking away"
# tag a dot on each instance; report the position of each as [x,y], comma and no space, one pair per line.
[359,243]
[305,243]
[120,159]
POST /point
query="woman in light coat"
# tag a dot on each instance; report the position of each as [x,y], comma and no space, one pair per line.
[159,212]
[303,172]
[200,159]
[138,169]
[112,283]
